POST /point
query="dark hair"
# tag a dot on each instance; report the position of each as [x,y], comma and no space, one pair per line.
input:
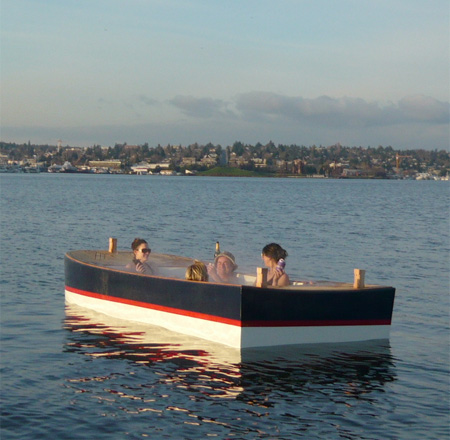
[274,251]
[137,242]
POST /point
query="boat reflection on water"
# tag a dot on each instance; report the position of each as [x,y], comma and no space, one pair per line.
[215,370]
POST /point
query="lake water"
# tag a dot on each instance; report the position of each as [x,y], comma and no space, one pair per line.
[72,374]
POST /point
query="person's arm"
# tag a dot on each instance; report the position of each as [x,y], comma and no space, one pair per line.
[212,274]
[144,268]
[280,279]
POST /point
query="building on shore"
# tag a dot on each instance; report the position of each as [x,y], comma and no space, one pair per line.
[108,164]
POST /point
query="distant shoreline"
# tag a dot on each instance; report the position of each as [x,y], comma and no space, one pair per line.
[243,173]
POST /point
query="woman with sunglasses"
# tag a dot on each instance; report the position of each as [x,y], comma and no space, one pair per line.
[141,252]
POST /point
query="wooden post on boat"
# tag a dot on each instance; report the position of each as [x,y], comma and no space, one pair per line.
[112,245]
[261,277]
[358,282]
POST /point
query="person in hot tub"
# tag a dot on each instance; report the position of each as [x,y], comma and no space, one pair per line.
[141,252]
[197,272]
[274,257]
[222,271]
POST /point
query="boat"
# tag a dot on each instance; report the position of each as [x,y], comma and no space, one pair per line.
[244,315]
[67,167]
[32,169]
[55,168]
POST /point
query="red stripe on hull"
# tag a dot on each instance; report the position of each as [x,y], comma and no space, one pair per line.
[303,323]
[155,307]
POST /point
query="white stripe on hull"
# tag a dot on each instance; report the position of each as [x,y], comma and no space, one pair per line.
[233,336]
[216,331]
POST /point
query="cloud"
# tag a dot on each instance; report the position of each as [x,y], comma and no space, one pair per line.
[225,131]
[414,122]
[199,107]
[424,108]
[344,111]
[323,111]
[146,100]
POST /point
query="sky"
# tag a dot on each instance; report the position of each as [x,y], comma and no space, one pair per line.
[305,72]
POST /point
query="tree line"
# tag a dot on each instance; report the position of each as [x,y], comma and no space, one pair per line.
[317,158]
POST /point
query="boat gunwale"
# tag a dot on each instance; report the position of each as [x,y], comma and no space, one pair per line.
[316,286]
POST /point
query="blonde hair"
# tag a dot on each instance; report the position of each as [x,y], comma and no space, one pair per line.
[197,272]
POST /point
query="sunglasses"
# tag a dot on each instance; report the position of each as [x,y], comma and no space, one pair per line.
[145,250]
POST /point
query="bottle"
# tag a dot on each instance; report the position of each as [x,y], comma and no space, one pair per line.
[217,249]
[281,265]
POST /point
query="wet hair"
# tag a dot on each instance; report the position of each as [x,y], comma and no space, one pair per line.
[197,272]
[137,242]
[275,251]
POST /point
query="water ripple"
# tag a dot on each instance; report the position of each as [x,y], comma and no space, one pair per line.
[71,375]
